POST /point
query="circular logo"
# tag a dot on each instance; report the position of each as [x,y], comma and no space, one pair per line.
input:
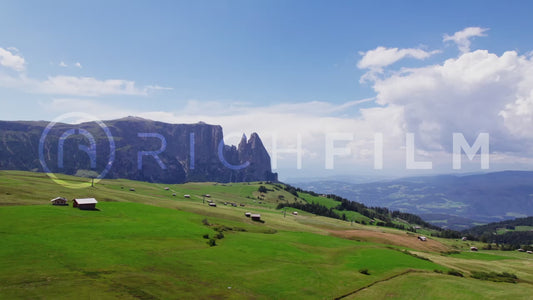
[64,117]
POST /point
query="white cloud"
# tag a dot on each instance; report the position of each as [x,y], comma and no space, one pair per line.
[476,92]
[12,61]
[157,88]
[86,86]
[462,38]
[65,85]
[382,57]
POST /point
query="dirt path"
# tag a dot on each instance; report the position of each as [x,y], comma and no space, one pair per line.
[376,282]
[404,240]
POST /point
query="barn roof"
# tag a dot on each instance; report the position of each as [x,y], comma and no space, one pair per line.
[86,201]
[59,198]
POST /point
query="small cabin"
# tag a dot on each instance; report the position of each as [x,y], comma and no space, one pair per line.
[132,190]
[207,195]
[59,201]
[242,204]
[529,252]
[473,248]
[187,196]
[521,250]
[422,238]
[213,204]
[255,217]
[85,203]
[464,238]
[166,189]
[174,194]
[248,214]
[294,213]
[417,227]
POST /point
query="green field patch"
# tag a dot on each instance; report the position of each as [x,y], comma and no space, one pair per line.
[479,256]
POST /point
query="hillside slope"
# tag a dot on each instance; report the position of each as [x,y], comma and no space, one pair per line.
[144,242]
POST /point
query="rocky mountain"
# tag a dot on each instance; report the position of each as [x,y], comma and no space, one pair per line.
[133,148]
[450,201]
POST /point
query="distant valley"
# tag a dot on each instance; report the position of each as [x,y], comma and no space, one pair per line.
[449,201]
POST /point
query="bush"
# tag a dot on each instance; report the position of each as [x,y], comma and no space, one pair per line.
[455,273]
[206,236]
[364,271]
[262,189]
[212,242]
[496,277]
[219,235]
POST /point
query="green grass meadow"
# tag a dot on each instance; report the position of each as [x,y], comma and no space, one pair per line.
[149,244]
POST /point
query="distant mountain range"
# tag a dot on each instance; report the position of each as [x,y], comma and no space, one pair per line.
[449,201]
[133,148]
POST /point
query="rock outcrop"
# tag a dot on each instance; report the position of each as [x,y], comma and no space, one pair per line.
[143,150]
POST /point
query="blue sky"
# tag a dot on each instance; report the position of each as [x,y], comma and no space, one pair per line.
[249,64]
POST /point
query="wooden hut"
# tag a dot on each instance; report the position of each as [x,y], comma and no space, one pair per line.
[255,217]
[59,201]
[213,204]
[248,214]
[85,203]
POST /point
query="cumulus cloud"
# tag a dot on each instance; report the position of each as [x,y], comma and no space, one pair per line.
[78,65]
[63,64]
[476,92]
[12,61]
[462,38]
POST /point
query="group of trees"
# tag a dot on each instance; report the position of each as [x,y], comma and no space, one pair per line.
[313,208]
[510,240]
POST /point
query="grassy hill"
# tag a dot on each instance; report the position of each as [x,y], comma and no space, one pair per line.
[150,244]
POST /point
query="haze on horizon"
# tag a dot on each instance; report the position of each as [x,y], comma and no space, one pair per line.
[355,75]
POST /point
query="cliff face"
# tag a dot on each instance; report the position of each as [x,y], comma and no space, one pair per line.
[144,150]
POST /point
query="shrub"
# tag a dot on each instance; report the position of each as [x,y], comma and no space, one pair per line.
[206,236]
[219,235]
[262,189]
[455,273]
[212,242]
[496,277]
[364,271]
